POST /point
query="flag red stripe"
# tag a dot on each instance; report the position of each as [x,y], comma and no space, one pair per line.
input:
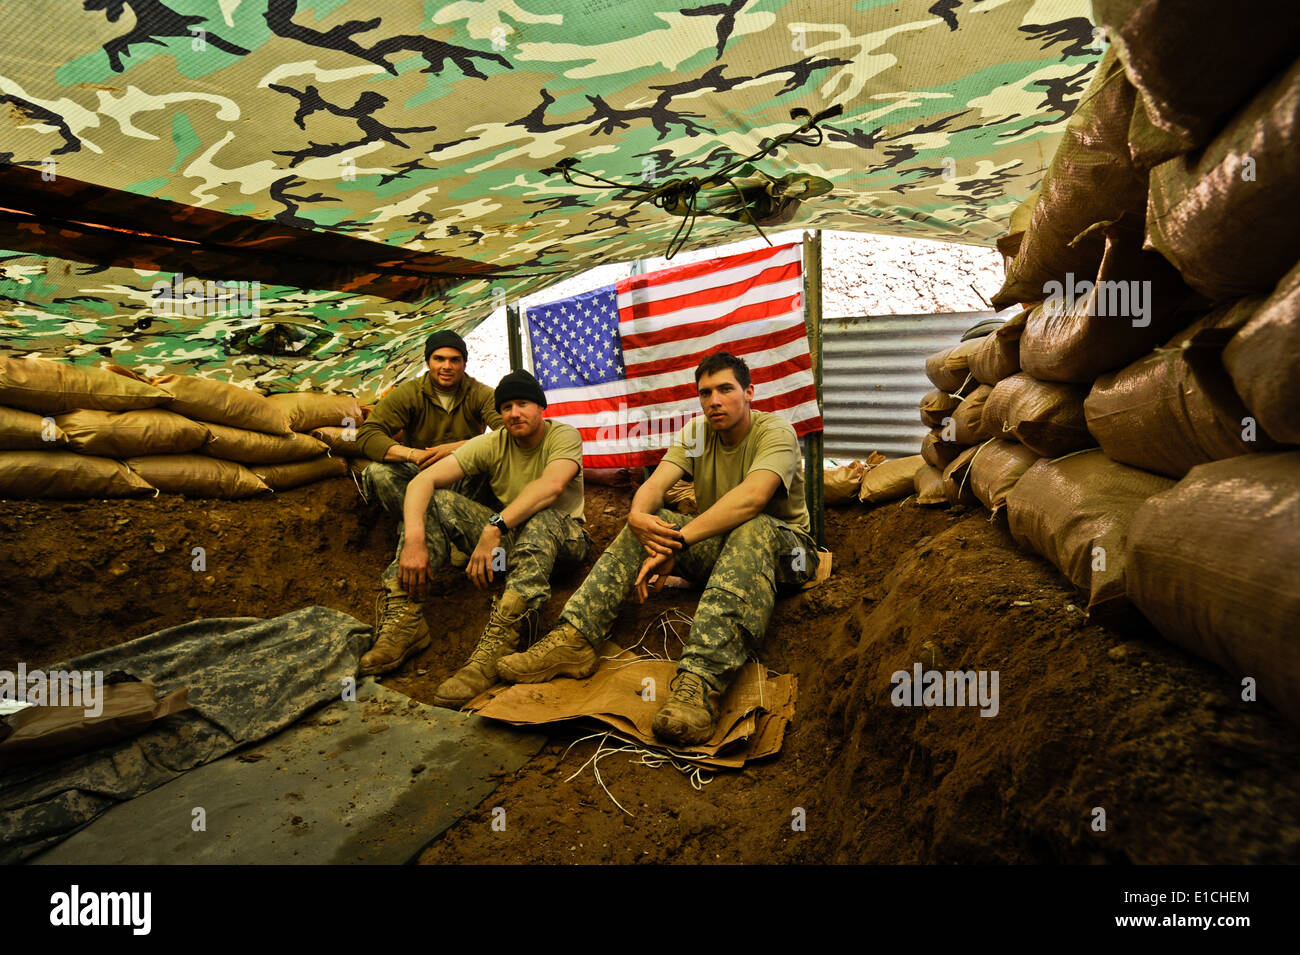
[696,269]
[718,293]
[677,333]
[739,348]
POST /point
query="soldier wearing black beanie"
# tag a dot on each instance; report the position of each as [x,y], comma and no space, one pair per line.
[519,384]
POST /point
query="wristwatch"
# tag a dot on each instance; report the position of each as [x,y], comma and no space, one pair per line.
[499,522]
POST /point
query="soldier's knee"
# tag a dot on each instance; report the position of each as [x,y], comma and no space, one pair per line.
[757,531]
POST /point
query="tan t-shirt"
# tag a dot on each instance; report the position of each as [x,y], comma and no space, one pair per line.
[769,445]
[510,468]
[445,398]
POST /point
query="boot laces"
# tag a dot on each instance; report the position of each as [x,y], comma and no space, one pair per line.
[497,633]
[689,688]
[394,609]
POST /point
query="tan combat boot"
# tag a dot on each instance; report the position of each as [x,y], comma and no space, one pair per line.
[562,652]
[510,618]
[400,631]
[691,713]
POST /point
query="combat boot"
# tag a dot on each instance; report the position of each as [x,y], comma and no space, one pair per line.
[400,631]
[562,652]
[691,713]
[510,619]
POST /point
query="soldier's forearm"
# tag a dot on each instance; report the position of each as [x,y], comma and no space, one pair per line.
[727,513]
[415,506]
[536,496]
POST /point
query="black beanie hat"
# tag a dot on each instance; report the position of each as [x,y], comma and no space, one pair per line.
[445,339]
[519,384]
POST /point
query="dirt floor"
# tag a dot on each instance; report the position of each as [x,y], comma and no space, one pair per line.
[1089,716]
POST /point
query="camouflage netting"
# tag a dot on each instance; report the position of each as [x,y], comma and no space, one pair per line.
[424,127]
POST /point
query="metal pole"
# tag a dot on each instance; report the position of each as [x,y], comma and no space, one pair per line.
[814,474]
[516,337]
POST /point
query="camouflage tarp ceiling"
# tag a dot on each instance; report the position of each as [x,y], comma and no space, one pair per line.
[424,126]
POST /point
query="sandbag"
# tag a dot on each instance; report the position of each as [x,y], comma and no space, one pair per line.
[1263,359]
[1176,408]
[343,442]
[1044,416]
[998,356]
[282,477]
[308,411]
[1086,328]
[1212,564]
[125,434]
[928,485]
[680,497]
[66,475]
[1226,216]
[51,387]
[967,420]
[937,452]
[890,481]
[1091,179]
[197,475]
[956,481]
[995,469]
[840,485]
[26,431]
[1075,512]
[1195,62]
[222,403]
[936,406]
[948,370]
[254,447]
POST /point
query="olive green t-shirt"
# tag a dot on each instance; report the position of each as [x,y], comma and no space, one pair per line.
[769,445]
[510,468]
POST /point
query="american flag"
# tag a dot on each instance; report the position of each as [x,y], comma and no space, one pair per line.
[619,363]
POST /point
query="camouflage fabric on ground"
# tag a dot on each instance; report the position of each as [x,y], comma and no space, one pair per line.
[423,127]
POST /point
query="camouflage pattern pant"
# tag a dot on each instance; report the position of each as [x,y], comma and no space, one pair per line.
[384,483]
[531,550]
[742,572]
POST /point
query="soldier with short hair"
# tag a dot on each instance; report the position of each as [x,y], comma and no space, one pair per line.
[749,541]
[534,466]
[439,412]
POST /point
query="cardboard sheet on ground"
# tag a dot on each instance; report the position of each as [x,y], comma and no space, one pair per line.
[335,788]
[752,721]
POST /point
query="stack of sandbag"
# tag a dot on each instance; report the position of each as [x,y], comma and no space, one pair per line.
[75,432]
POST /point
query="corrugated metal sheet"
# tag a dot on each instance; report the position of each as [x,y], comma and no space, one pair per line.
[873,379]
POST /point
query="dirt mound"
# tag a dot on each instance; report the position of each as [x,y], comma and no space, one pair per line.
[1089,716]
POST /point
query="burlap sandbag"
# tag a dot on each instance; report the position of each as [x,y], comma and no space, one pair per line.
[1212,564]
[928,485]
[1132,307]
[197,475]
[840,485]
[937,452]
[1090,179]
[890,481]
[254,447]
[26,431]
[308,411]
[222,403]
[681,497]
[1176,408]
[1044,416]
[956,478]
[995,469]
[1075,512]
[1227,215]
[948,370]
[340,441]
[281,477]
[1263,359]
[65,474]
[936,406]
[998,356]
[968,418]
[1196,62]
[127,434]
[52,387]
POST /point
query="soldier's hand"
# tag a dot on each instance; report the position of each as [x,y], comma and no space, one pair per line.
[423,457]
[479,568]
[438,452]
[413,569]
[657,536]
[661,565]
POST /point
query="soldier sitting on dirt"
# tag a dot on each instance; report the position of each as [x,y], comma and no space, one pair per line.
[535,467]
[439,412]
[749,539]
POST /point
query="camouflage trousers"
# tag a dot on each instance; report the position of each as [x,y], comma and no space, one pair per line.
[742,572]
[384,483]
[531,550]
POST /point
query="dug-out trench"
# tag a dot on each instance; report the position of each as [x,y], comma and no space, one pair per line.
[1090,717]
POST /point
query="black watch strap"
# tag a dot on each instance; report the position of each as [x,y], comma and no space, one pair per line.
[499,522]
